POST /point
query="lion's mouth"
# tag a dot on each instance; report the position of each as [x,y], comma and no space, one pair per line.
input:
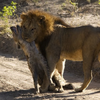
[25,38]
[18,46]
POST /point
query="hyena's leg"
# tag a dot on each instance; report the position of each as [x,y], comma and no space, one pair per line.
[35,78]
[34,75]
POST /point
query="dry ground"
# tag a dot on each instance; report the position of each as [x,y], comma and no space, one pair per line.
[16,83]
[15,77]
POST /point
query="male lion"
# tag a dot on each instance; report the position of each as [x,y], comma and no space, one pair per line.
[77,44]
[38,26]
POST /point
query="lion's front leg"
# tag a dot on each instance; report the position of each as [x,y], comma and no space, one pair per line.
[58,80]
[45,84]
[52,61]
[61,66]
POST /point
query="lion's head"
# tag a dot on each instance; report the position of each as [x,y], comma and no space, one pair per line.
[36,25]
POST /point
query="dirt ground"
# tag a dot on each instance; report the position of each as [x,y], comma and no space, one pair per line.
[16,83]
[15,78]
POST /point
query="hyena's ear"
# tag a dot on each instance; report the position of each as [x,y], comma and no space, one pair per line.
[13,29]
[24,16]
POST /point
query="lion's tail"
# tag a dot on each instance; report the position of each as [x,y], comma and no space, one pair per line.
[57,20]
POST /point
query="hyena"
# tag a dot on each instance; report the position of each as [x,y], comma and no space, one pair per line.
[36,62]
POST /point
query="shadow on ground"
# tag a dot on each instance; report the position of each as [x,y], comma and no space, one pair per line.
[29,95]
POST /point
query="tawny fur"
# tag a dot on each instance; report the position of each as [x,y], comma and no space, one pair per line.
[35,19]
[39,26]
[77,44]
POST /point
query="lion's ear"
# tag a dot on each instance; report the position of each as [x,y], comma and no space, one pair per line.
[41,19]
[23,16]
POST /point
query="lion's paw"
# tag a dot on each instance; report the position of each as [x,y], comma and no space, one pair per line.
[60,90]
[68,86]
[42,90]
[78,90]
[52,87]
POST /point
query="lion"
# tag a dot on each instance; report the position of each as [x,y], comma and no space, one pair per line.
[37,63]
[59,43]
[76,44]
[39,26]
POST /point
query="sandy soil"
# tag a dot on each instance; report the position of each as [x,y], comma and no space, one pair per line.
[16,83]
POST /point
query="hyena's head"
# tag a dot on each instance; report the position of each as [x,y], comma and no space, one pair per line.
[16,35]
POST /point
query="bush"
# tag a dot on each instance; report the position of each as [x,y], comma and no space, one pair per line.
[8,11]
[5,14]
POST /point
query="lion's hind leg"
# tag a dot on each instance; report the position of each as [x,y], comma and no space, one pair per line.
[87,69]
